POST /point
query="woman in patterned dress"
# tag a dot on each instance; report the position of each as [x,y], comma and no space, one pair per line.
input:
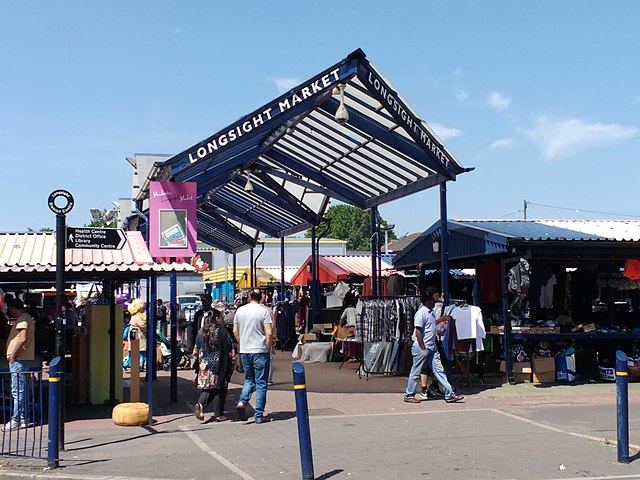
[215,355]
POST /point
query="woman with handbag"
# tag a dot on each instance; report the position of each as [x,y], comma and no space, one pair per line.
[214,355]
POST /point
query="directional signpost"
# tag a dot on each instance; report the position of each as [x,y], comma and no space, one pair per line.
[97,238]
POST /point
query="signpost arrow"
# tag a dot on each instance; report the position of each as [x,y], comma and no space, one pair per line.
[96,238]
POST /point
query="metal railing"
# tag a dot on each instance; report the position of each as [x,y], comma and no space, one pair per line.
[22,436]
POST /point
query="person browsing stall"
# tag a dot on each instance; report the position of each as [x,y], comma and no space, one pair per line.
[424,348]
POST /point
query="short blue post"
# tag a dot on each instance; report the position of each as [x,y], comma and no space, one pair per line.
[622,401]
[302,414]
[54,406]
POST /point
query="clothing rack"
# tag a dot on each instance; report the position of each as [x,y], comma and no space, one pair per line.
[384,326]
[471,350]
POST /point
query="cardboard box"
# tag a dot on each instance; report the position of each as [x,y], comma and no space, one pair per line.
[544,370]
[308,337]
[522,371]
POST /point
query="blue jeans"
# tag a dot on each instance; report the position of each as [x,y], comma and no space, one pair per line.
[256,373]
[433,357]
[18,369]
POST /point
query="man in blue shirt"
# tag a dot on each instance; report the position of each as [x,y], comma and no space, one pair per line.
[424,348]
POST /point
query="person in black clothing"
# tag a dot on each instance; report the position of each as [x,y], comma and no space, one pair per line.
[161,317]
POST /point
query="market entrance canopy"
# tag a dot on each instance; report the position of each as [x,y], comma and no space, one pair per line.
[345,133]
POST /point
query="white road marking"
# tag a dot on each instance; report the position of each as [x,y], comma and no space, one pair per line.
[559,430]
[203,446]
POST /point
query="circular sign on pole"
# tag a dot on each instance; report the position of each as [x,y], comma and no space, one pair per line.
[66,197]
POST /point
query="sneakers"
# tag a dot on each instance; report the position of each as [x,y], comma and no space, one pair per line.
[454,399]
[241,412]
[221,418]
[425,395]
[14,425]
[411,400]
[199,411]
[434,392]
[262,420]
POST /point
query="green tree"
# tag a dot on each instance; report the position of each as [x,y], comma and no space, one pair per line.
[351,224]
[103,218]
[42,229]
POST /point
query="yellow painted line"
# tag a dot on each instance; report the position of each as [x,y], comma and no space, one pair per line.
[298,387]
[54,379]
[622,374]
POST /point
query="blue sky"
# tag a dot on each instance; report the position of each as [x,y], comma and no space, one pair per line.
[542,98]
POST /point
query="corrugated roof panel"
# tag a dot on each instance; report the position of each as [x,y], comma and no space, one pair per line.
[529,230]
[616,229]
[36,252]
[358,265]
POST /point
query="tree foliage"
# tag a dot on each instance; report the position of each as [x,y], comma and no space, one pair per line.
[353,225]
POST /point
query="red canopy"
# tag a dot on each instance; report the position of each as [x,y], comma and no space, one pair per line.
[333,268]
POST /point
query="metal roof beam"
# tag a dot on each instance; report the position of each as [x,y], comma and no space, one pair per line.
[293,178]
[281,198]
[337,189]
[374,185]
[284,198]
[268,117]
[214,220]
[243,216]
[400,192]
[395,140]
[404,117]
[220,167]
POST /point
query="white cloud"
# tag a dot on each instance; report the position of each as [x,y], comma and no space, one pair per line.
[503,142]
[462,95]
[558,138]
[445,132]
[498,102]
[285,84]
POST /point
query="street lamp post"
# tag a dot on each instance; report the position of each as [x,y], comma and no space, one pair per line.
[386,228]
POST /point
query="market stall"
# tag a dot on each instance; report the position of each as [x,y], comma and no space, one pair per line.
[552,288]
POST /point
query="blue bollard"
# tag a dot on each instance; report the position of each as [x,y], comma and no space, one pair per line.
[622,401]
[302,415]
[54,407]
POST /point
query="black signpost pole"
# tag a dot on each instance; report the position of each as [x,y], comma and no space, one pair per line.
[55,199]
[60,328]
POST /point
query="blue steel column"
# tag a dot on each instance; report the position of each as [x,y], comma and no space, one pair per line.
[302,416]
[507,325]
[282,263]
[151,344]
[174,337]
[374,250]
[53,452]
[315,282]
[622,402]
[444,244]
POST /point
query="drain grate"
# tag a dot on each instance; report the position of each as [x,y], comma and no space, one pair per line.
[319,412]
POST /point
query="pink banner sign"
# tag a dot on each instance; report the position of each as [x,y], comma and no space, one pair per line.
[172,219]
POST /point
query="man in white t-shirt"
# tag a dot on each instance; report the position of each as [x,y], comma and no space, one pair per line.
[424,348]
[252,327]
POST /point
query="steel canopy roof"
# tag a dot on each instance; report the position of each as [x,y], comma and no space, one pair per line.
[297,156]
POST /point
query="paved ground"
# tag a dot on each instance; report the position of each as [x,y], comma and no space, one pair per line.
[359,429]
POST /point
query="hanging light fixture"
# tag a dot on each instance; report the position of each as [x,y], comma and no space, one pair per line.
[248,187]
[342,115]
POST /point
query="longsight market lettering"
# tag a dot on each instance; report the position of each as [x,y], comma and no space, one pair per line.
[257,120]
[410,121]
